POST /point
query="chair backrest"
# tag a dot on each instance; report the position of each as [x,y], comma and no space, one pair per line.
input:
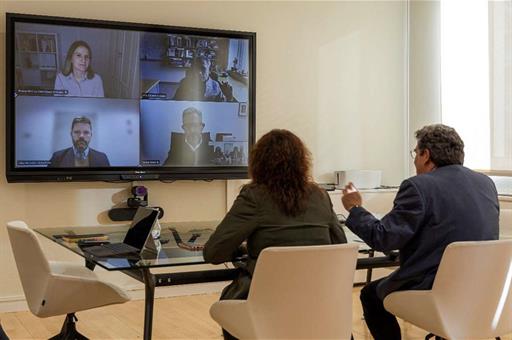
[304,292]
[32,264]
[473,288]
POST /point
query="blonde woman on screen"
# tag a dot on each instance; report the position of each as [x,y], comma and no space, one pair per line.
[77,76]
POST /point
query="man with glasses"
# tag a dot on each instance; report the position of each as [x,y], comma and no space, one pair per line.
[446,202]
[193,147]
[80,154]
[198,84]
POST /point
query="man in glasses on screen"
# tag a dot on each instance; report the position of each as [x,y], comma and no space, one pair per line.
[199,85]
[80,154]
[193,147]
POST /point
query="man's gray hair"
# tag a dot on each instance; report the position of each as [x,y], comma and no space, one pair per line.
[192,110]
[444,143]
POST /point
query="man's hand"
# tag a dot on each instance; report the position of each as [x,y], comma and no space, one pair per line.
[351,197]
[227,90]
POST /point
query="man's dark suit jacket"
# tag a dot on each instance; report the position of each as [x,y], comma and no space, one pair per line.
[431,210]
[66,159]
[181,154]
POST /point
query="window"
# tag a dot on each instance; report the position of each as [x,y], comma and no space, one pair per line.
[465,76]
[500,36]
[476,79]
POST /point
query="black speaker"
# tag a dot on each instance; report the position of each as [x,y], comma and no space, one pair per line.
[127,214]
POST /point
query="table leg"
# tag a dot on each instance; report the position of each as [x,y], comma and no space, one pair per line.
[89,264]
[371,253]
[149,284]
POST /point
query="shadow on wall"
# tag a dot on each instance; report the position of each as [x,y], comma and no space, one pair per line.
[119,201]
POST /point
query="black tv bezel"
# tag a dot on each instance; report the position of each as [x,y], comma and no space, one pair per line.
[28,175]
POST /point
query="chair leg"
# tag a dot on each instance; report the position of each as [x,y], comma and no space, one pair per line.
[69,331]
[430,335]
[3,336]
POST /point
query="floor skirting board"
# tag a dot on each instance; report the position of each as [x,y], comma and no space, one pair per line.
[17,303]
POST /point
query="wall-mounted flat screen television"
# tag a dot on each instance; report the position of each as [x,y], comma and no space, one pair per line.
[111,101]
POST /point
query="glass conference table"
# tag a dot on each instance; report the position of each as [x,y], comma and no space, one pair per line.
[170,254]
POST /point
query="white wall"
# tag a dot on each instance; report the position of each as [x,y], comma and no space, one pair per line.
[424,67]
[332,72]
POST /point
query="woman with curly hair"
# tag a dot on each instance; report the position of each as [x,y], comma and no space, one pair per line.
[281,206]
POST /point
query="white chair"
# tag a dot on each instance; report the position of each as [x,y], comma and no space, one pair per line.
[296,293]
[57,288]
[471,297]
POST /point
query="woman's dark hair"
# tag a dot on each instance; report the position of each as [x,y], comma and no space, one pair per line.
[68,68]
[281,164]
[444,143]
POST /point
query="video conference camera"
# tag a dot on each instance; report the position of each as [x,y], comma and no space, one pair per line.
[140,197]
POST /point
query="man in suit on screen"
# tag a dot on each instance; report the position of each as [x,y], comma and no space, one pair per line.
[193,147]
[80,154]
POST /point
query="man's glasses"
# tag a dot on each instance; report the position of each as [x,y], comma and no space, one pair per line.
[193,125]
[412,153]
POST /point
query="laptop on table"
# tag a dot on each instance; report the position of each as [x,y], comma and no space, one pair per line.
[137,239]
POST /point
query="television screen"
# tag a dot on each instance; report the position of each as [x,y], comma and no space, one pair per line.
[98,100]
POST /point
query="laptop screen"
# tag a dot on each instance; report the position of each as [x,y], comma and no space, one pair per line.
[142,225]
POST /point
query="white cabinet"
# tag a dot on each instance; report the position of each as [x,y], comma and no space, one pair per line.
[380,202]
[377,201]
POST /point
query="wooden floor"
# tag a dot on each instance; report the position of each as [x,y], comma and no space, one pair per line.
[174,318]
